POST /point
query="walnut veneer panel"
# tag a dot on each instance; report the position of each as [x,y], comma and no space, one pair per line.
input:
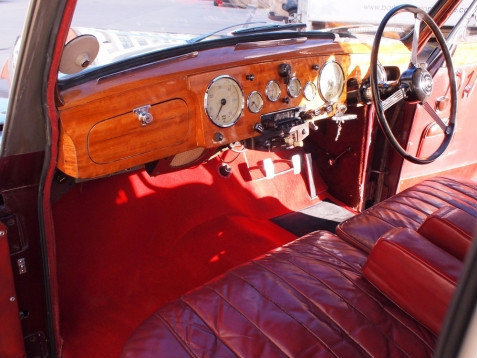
[122,137]
[100,135]
[105,136]
[263,72]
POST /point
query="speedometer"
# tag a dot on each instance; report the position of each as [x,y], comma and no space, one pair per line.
[331,81]
[224,101]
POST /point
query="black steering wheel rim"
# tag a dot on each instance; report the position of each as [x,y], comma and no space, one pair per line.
[378,103]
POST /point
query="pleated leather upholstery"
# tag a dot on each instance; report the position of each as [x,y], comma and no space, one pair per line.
[451,229]
[417,275]
[409,209]
[306,299]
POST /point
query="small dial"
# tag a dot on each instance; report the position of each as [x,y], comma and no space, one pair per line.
[331,81]
[273,91]
[309,91]
[254,102]
[294,87]
[224,101]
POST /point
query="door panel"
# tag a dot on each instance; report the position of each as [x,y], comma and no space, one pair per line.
[460,158]
[11,337]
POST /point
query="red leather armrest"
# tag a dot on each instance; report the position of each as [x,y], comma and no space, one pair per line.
[450,228]
[415,274]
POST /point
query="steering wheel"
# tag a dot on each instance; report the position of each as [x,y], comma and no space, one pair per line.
[414,86]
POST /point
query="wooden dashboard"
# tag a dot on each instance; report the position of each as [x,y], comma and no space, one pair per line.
[157,111]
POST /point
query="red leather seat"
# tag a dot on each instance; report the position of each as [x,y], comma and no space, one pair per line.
[322,296]
[451,229]
[409,209]
[417,275]
[306,299]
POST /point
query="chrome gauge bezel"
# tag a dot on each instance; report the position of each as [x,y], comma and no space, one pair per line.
[310,86]
[231,92]
[254,102]
[294,87]
[273,91]
[331,81]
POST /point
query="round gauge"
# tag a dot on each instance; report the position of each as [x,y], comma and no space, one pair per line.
[254,102]
[273,91]
[294,87]
[309,91]
[224,101]
[331,81]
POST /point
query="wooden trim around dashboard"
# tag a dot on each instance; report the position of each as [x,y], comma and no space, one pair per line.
[100,134]
[105,135]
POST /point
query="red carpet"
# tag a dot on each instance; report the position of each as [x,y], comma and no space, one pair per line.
[130,243]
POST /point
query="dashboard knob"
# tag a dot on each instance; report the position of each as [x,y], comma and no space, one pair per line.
[218,137]
[225,170]
[284,70]
[259,127]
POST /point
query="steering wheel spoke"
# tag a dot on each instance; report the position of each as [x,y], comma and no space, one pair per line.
[393,99]
[446,129]
[415,38]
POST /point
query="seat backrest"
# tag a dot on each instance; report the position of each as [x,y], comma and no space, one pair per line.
[409,209]
[450,228]
[415,274]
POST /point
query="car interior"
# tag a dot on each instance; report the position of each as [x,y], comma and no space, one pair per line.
[277,194]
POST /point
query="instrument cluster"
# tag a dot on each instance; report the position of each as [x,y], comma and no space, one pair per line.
[225,100]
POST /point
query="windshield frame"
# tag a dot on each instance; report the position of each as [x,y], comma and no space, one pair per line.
[442,9]
[150,58]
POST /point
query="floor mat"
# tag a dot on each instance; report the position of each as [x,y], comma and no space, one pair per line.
[130,243]
[323,216]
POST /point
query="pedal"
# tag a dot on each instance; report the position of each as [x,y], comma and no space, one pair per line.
[269,167]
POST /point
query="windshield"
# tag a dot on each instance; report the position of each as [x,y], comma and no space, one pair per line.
[152,26]
[126,29]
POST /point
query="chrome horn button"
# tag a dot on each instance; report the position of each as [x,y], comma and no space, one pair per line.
[418,84]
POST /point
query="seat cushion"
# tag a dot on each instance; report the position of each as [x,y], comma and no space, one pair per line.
[409,209]
[306,299]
